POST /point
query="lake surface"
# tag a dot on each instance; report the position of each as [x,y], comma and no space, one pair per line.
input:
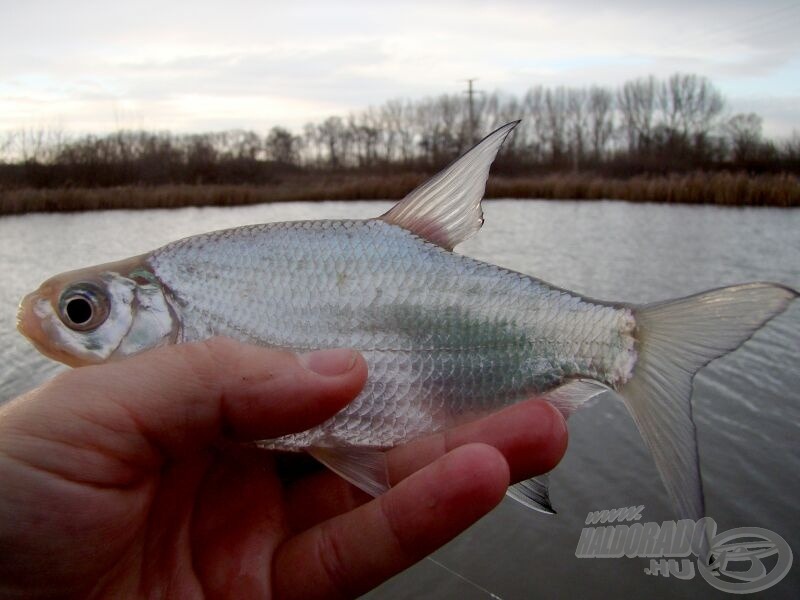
[746,405]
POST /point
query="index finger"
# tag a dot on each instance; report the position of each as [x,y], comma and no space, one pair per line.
[351,553]
[172,401]
[532,437]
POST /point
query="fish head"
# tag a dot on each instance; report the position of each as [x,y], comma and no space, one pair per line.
[102,313]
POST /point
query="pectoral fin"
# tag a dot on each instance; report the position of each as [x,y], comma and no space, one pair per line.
[365,468]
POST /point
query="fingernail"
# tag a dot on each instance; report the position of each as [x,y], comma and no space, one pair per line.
[329,362]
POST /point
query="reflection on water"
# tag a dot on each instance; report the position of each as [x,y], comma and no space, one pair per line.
[746,405]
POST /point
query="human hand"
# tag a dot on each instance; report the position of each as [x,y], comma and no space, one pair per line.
[125,480]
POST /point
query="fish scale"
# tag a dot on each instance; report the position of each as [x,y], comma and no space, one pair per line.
[488,337]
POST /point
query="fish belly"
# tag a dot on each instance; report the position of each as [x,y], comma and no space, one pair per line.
[446,338]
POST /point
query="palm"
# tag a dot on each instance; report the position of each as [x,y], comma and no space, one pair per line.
[211,523]
[124,489]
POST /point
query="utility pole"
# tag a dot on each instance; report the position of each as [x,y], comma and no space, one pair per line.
[470,92]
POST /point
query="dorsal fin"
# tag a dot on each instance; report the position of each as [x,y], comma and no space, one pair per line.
[446,209]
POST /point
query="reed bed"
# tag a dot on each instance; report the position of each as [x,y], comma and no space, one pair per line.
[726,189]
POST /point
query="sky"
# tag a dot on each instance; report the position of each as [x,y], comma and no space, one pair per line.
[196,66]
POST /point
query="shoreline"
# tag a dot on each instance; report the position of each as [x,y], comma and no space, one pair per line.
[720,189]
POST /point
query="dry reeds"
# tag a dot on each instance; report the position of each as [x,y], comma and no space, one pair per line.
[175,196]
[724,189]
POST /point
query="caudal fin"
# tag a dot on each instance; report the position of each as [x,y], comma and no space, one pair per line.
[677,338]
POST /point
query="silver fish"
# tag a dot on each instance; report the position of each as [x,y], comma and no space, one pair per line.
[447,338]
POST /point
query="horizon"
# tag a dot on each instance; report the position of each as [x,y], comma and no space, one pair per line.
[97,69]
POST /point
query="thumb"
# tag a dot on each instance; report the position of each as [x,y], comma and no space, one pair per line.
[175,400]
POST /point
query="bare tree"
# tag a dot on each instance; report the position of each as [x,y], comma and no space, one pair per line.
[689,104]
[428,125]
[281,146]
[536,129]
[312,144]
[7,142]
[577,124]
[37,145]
[245,145]
[636,104]
[397,117]
[333,139]
[744,133]
[555,123]
[644,124]
[601,120]
[508,108]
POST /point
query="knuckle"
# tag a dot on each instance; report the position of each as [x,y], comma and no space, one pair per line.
[219,349]
[207,361]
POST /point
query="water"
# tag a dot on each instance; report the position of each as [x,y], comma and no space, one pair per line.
[746,405]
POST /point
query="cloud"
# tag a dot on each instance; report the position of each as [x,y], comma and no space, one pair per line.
[208,65]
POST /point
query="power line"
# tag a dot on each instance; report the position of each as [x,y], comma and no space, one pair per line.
[471,92]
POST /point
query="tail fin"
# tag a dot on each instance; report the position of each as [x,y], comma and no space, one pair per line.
[676,339]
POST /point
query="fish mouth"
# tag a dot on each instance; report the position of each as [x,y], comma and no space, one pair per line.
[29,324]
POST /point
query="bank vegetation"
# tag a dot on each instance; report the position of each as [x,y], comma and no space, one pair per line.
[651,140]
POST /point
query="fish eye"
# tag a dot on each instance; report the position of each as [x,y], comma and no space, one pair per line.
[79,310]
[83,307]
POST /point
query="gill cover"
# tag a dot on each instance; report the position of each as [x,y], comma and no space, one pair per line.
[94,315]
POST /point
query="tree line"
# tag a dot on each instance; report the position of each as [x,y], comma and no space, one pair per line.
[646,125]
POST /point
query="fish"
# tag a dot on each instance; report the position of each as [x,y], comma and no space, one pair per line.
[446,338]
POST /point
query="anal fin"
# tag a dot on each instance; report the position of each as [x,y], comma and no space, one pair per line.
[365,468]
[573,395]
[533,493]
